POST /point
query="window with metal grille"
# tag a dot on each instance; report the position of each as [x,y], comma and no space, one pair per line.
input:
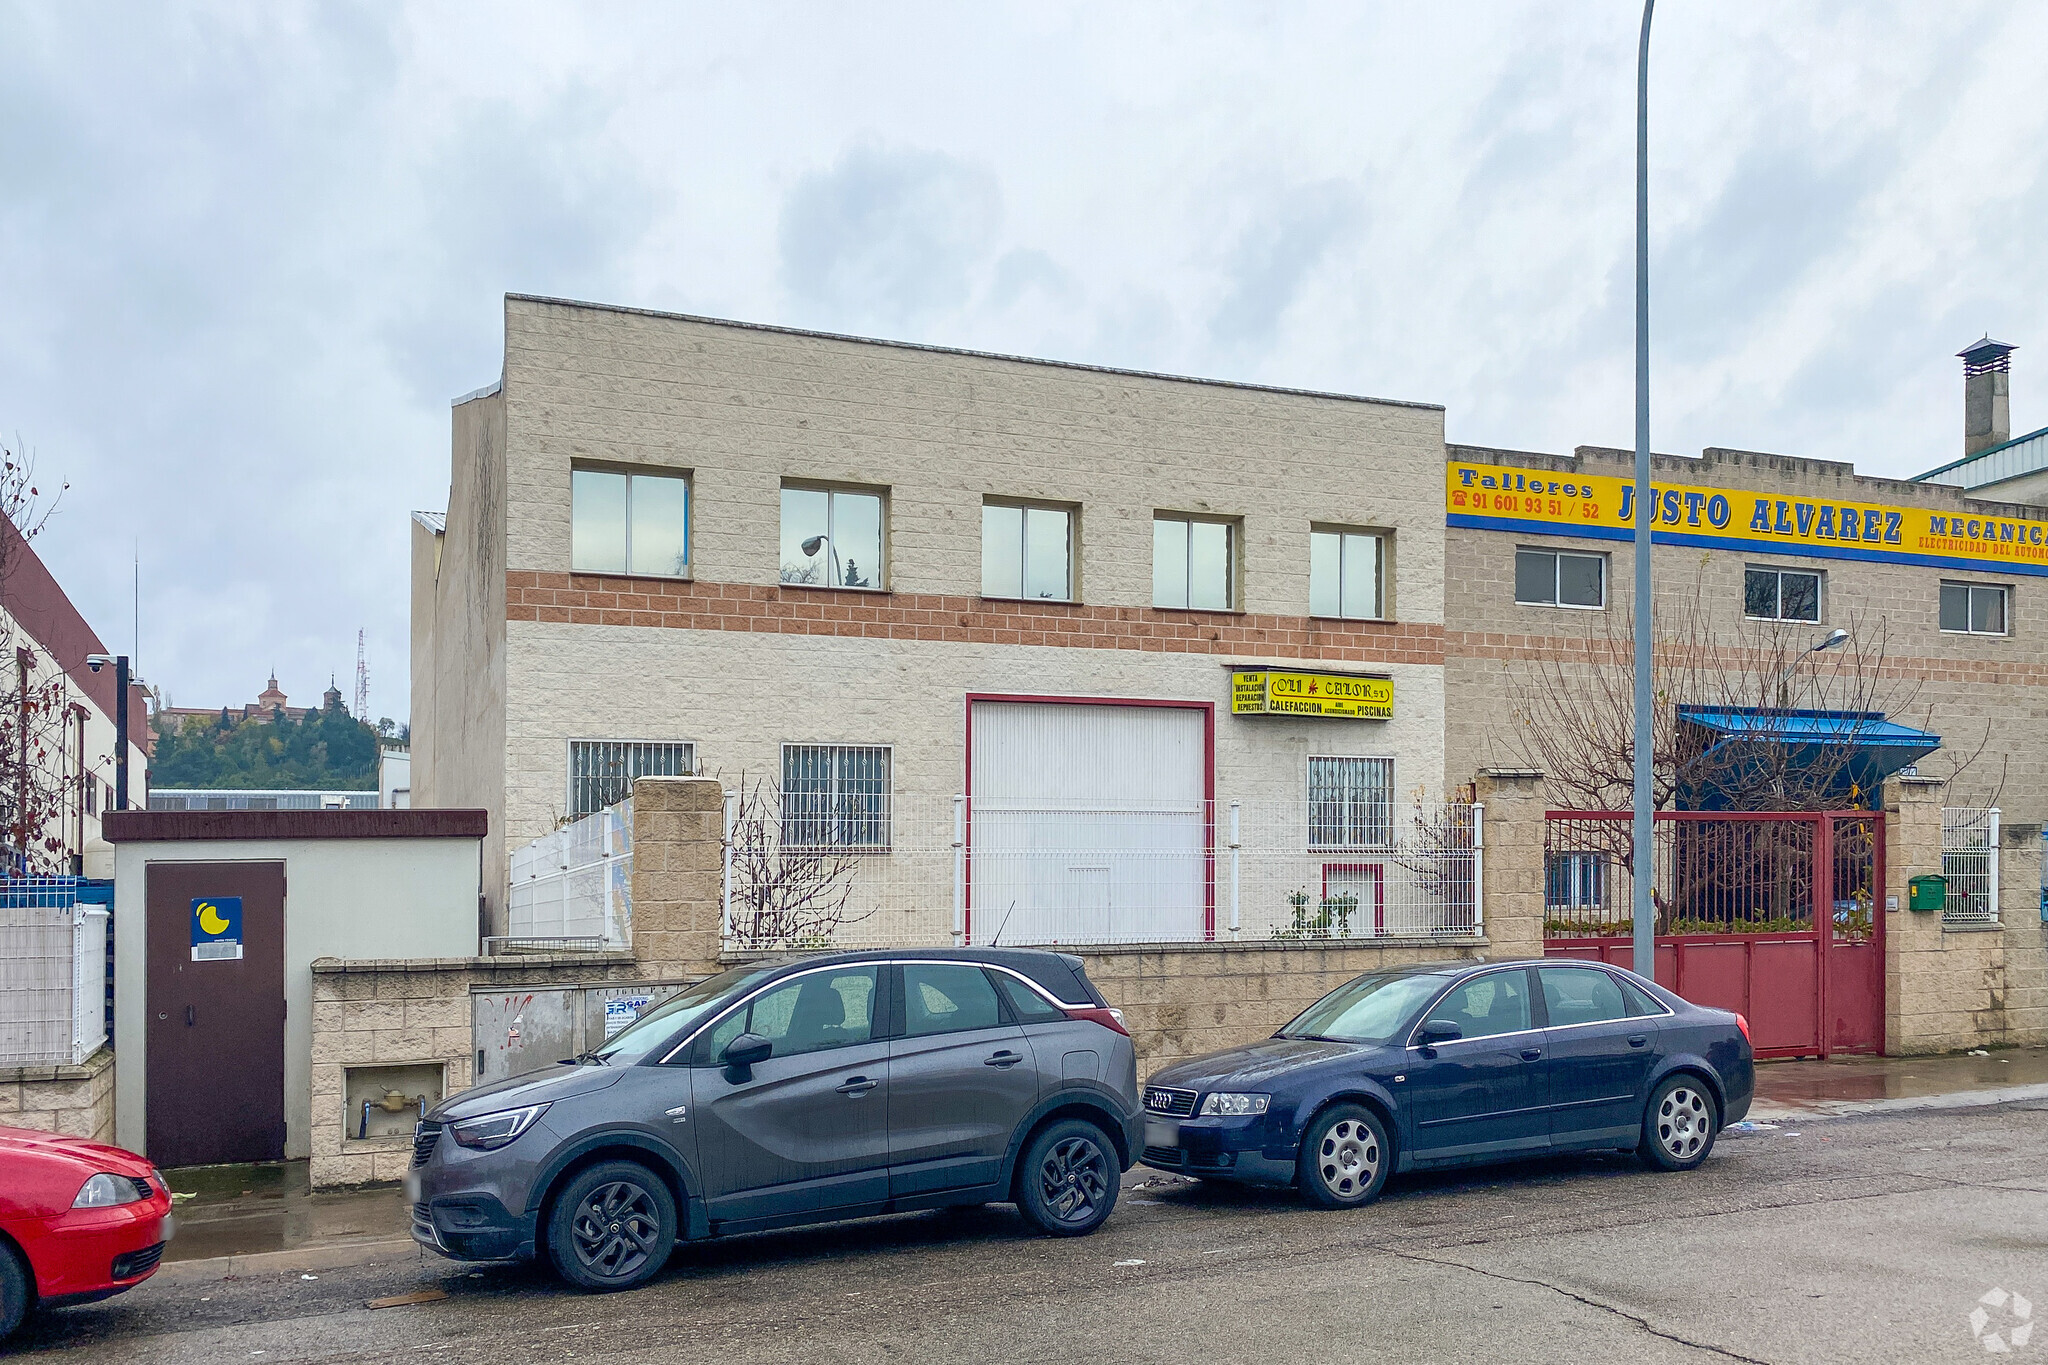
[1575,881]
[601,771]
[835,795]
[1350,802]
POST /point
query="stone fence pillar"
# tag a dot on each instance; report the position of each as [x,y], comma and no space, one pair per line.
[1513,872]
[678,875]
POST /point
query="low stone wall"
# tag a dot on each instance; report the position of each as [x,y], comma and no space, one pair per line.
[77,1101]
[1182,1000]
[411,1012]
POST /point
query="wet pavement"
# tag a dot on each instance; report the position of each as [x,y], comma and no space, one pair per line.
[253,1210]
[249,1210]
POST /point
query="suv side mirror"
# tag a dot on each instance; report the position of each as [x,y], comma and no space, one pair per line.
[1437,1031]
[743,1053]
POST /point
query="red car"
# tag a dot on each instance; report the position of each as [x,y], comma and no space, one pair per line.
[78,1221]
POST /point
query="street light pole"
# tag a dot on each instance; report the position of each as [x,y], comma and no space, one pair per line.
[1643,863]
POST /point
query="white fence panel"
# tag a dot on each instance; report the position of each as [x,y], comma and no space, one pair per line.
[574,887]
[53,976]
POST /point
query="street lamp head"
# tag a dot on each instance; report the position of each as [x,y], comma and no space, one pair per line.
[814,544]
[1836,639]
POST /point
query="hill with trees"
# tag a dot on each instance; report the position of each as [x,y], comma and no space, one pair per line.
[326,750]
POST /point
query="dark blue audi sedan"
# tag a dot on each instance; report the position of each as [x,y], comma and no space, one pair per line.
[1450,1063]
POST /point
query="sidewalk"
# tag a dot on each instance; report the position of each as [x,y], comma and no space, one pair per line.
[1864,1085]
[260,1211]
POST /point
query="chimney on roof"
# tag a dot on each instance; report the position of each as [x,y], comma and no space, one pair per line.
[1987,394]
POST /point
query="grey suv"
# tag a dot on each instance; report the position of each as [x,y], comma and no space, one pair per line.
[799,1091]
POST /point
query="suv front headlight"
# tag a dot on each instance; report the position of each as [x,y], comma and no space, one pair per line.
[1223,1104]
[488,1132]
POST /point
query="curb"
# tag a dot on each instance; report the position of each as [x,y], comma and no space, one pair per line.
[1843,1109]
[292,1260]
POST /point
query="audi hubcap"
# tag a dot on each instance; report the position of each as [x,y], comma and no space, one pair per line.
[616,1230]
[1074,1179]
[1684,1120]
[1349,1159]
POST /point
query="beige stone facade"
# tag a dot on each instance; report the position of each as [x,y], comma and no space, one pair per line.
[515,654]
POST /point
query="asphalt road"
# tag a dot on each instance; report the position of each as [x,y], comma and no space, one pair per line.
[1865,1239]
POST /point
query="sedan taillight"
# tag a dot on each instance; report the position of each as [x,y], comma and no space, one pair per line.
[1743,1024]
[1111,1019]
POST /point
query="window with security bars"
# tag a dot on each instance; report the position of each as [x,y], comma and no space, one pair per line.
[1350,802]
[835,795]
[601,771]
[1575,881]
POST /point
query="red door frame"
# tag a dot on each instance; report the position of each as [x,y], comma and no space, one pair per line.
[1208,710]
[1822,931]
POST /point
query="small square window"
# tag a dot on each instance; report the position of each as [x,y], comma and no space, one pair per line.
[1780,595]
[1027,552]
[629,523]
[836,796]
[831,538]
[601,771]
[1973,608]
[1193,563]
[1350,802]
[1345,573]
[1556,578]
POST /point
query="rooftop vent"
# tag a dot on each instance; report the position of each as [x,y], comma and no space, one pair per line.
[1987,394]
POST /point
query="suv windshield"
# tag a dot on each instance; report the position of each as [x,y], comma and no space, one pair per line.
[1371,1009]
[674,1014]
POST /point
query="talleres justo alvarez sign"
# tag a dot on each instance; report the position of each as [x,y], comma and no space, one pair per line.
[1601,506]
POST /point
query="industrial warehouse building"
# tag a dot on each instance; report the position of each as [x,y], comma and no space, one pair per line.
[1222,649]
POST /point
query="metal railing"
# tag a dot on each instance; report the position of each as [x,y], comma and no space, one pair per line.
[53,972]
[574,886]
[1969,859]
[1041,874]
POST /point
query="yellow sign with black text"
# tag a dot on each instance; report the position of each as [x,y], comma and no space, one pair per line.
[1271,692]
[1602,507]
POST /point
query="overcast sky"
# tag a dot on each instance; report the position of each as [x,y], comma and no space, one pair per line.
[248,253]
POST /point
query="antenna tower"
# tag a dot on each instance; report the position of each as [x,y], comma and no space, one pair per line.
[362,679]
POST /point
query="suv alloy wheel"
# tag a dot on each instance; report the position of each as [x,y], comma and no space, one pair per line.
[612,1227]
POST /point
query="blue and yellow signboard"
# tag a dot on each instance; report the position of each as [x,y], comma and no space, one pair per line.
[217,929]
[1600,506]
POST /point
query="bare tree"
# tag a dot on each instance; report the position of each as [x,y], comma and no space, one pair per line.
[38,772]
[791,878]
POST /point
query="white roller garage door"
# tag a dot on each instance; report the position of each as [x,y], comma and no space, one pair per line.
[1089,823]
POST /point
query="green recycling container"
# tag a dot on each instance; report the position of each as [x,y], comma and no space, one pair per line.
[1927,893]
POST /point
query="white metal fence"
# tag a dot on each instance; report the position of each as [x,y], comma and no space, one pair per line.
[574,888]
[1969,859]
[954,870]
[53,974]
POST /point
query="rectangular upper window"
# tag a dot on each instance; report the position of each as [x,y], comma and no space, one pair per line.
[1350,802]
[1193,563]
[1556,578]
[1780,595]
[836,795]
[1346,570]
[832,538]
[601,771]
[1027,552]
[1973,608]
[629,523]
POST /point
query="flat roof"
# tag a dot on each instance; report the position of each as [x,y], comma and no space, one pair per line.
[954,350]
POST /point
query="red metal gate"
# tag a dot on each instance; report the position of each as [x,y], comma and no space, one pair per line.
[1774,914]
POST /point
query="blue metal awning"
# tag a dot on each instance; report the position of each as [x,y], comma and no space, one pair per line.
[1881,746]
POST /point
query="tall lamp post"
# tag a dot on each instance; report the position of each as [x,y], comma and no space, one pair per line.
[1643,863]
[121,680]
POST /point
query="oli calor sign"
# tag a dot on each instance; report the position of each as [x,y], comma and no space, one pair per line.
[1270,692]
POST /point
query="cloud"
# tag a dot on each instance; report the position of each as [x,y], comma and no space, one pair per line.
[1275,255]
[887,237]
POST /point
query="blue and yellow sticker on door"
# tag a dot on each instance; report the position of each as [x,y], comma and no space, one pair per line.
[216,928]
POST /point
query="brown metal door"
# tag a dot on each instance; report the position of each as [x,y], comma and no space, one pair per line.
[215,1040]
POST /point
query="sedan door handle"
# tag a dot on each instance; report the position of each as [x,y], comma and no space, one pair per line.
[856,1086]
[1004,1058]
[1530,1054]
[1638,1041]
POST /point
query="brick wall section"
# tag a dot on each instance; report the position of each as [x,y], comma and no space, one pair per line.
[1948,989]
[410,1010]
[678,875]
[77,1101]
[589,599]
